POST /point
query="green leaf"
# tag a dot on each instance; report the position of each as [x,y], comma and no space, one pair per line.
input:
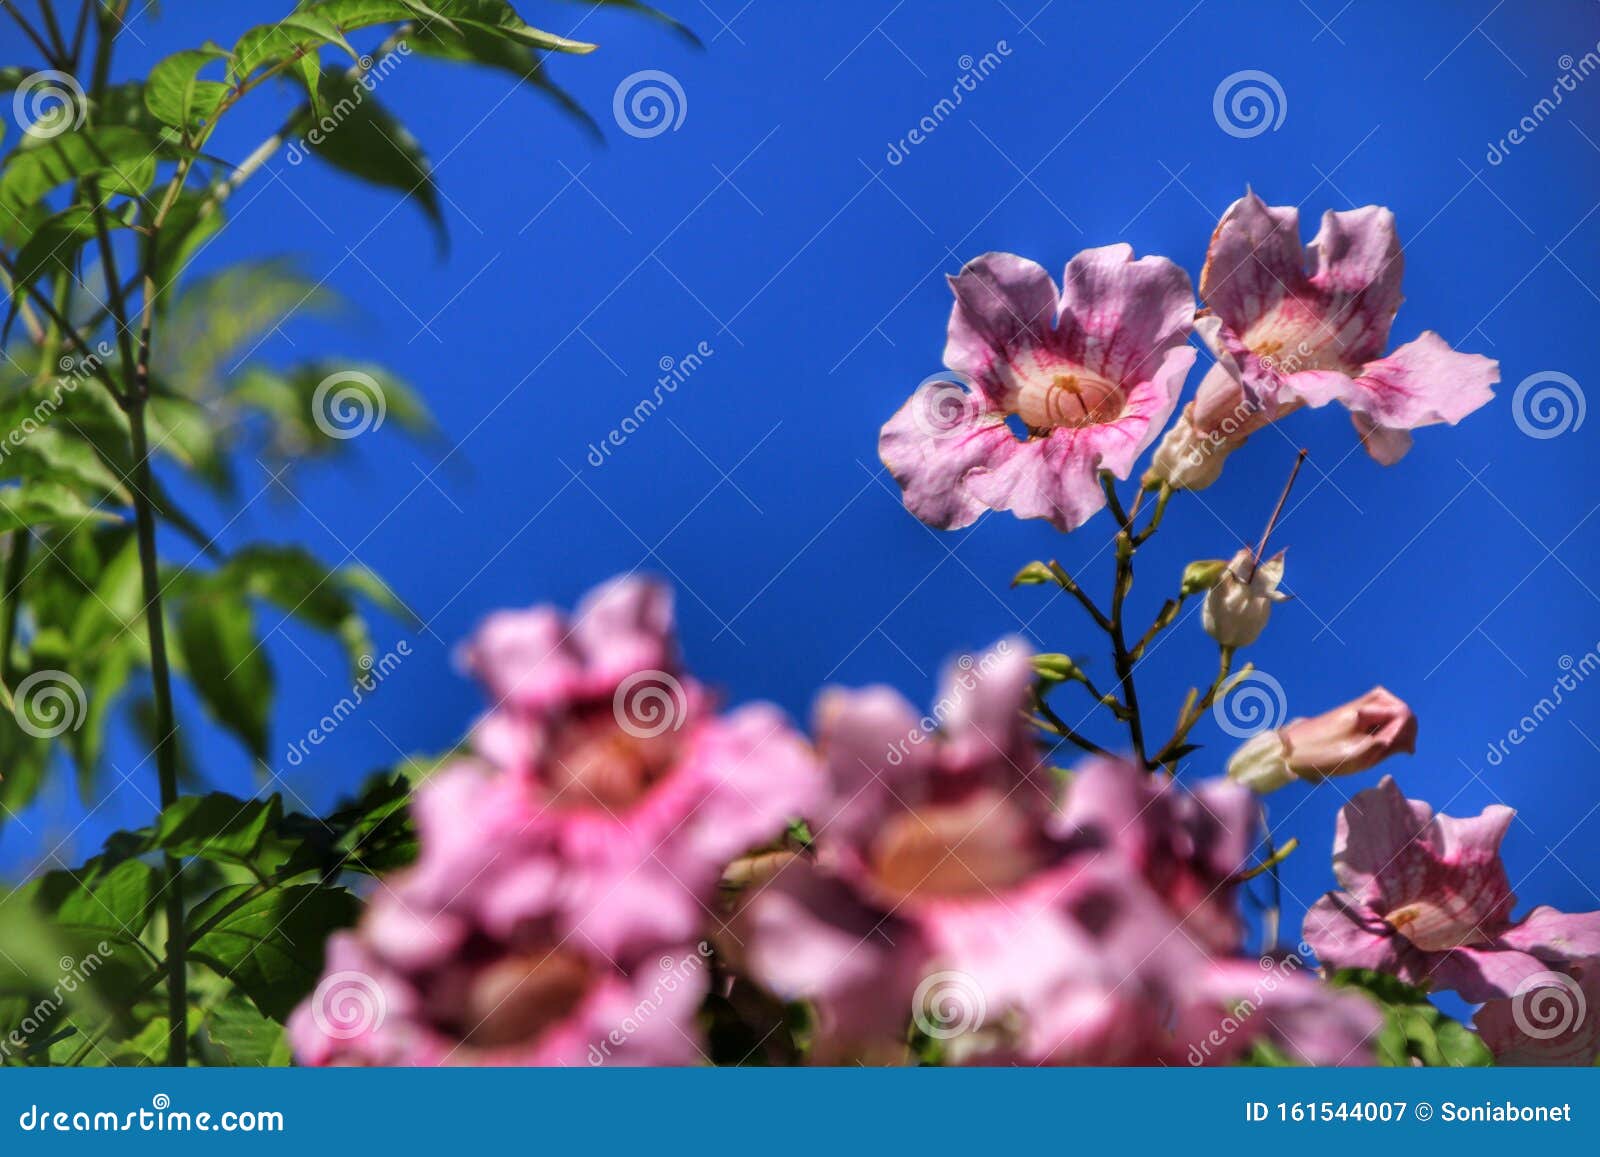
[192,221]
[47,454]
[46,504]
[298,33]
[243,1037]
[227,665]
[177,96]
[474,46]
[53,247]
[270,942]
[358,136]
[226,830]
[1414,1031]
[301,419]
[641,9]
[121,159]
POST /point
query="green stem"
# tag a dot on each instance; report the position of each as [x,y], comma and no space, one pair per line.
[1121,655]
[16,568]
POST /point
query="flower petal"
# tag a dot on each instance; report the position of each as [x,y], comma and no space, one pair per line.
[1119,317]
[1422,383]
[1357,265]
[936,443]
[1553,936]
[1254,263]
[1004,303]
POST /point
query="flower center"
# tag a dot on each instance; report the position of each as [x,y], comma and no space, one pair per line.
[516,999]
[1435,925]
[1294,338]
[595,763]
[980,845]
[1073,399]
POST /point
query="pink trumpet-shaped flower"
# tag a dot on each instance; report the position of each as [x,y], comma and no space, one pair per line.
[1091,372]
[1293,326]
[947,892]
[1552,1019]
[1349,739]
[1426,899]
[414,990]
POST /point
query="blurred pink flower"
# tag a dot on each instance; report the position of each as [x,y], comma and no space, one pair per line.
[947,891]
[407,989]
[1552,1019]
[1091,372]
[1426,899]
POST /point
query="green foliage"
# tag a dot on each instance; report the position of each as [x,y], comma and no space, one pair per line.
[1414,1030]
[122,372]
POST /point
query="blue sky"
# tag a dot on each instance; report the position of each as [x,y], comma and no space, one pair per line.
[772,229]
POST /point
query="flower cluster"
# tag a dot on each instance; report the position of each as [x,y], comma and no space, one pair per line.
[618,864]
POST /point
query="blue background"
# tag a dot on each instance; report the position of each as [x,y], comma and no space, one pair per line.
[772,227]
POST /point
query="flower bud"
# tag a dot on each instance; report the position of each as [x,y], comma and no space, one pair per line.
[1032,575]
[1237,608]
[1055,668]
[1349,739]
[1202,575]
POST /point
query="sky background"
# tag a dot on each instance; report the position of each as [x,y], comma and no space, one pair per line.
[772,226]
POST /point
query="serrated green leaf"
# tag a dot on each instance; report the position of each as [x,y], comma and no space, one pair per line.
[1415,1031]
[243,1037]
[122,160]
[225,829]
[270,942]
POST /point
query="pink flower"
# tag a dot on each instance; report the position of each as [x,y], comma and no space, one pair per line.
[947,893]
[1552,1019]
[1092,373]
[1293,327]
[417,990]
[1349,739]
[1426,899]
[618,778]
